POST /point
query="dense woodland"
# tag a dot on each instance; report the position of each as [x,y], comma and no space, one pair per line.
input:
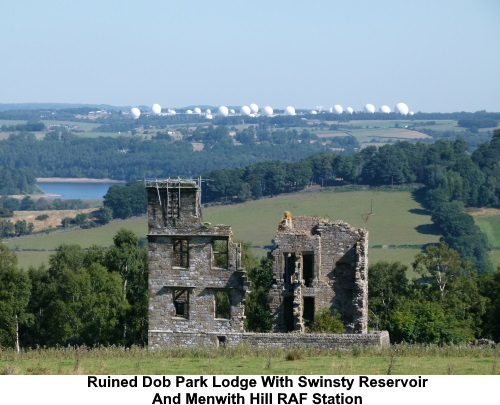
[62,154]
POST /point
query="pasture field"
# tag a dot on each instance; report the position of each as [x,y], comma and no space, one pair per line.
[402,360]
[397,219]
[398,228]
[92,134]
[54,217]
[102,236]
[489,222]
[84,126]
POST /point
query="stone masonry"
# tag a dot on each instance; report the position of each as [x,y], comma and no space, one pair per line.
[319,264]
[196,283]
[197,286]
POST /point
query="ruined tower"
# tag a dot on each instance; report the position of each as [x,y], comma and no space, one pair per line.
[196,283]
[319,264]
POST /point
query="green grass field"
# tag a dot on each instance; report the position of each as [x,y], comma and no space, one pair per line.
[102,236]
[397,220]
[405,360]
[398,228]
[490,225]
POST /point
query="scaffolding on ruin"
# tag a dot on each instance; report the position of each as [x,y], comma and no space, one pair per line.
[173,203]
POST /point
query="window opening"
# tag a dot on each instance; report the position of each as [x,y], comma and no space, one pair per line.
[308,269]
[289,267]
[308,313]
[181,303]
[222,305]
[220,253]
[172,203]
[181,253]
[221,341]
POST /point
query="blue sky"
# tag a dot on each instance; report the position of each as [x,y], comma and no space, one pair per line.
[434,55]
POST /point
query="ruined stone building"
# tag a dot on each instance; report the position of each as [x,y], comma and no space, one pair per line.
[196,281]
[319,264]
[197,286]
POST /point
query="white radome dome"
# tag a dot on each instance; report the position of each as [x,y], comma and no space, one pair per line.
[245,110]
[289,110]
[189,111]
[401,108]
[338,109]
[314,112]
[136,113]
[254,108]
[349,110]
[369,108]
[156,108]
[385,109]
[208,116]
[223,110]
[197,110]
[267,111]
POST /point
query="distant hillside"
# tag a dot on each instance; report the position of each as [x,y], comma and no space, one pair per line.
[56,106]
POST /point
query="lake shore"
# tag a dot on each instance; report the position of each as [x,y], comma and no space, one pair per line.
[76,180]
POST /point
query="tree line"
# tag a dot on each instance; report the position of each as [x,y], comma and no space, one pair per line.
[99,297]
[63,154]
[450,303]
[18,180]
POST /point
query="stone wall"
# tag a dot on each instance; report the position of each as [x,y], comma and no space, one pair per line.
[159,339]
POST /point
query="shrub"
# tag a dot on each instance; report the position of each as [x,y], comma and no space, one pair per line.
[326,322]
[6,213]
[294,354]
[42,217]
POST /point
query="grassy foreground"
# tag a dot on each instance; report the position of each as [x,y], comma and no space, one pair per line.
[402,360]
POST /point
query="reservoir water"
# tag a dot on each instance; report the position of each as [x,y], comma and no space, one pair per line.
[76,190]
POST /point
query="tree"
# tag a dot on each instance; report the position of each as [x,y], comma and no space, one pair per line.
[23,228]
[131,262]
[440,264]
[421,321]
[14,297]
[126,201]
[387,288]
[27,204]
[76,300]
[452,284]
[257,311]
[102,303]
[80,219]
[489,285]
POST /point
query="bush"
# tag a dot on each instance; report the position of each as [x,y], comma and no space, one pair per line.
[42,217]
[326,322]
[6,213]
